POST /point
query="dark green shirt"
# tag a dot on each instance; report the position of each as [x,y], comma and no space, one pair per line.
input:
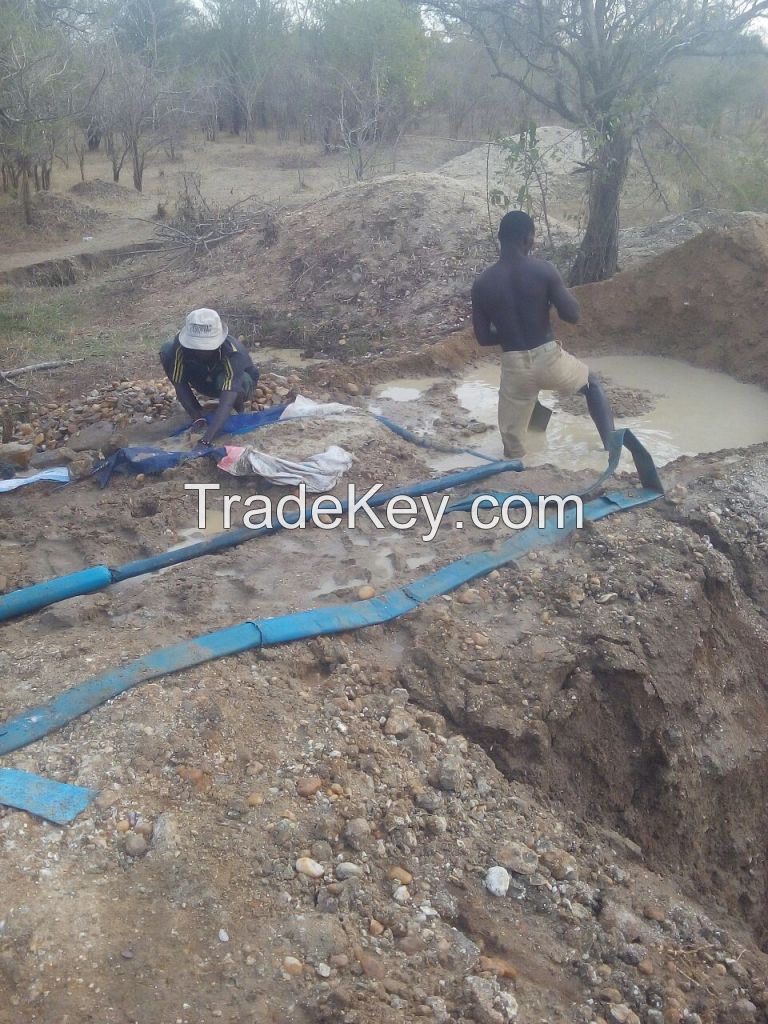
[224,364]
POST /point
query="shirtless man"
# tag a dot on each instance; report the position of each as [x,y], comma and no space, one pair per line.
[510,307]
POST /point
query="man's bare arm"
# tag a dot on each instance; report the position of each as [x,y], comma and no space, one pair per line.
[481,323]
[222,414]
[564,301]
[188,401]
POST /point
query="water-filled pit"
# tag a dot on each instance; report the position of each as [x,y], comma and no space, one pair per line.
[689,410]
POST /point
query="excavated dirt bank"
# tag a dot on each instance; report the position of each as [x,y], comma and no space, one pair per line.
[699,302]
[648,712]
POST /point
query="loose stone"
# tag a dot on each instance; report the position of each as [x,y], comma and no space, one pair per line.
[497,881]
[310,868]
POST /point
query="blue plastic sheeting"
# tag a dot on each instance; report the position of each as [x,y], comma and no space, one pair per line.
[55,801]
[88,581]
[34,724]
[243,422]
[146,459]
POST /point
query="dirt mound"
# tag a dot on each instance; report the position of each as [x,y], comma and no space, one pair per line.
[562,152]
[377,259]
[98,189]
[701,302]
[392,253]
[54,212]
[54,218]
[563,159]
[637,244]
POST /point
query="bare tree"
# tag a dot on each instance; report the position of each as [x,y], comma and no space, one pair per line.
[599,64]
[36,101]
[131,113]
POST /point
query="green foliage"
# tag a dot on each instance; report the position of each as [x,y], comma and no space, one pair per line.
[361,37]
[524,170]
[152,30]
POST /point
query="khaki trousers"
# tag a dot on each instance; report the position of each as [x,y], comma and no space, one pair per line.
[523,374]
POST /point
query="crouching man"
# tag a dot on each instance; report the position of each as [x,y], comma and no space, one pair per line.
[203,357]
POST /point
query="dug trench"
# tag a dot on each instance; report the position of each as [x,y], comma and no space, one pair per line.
[634,692]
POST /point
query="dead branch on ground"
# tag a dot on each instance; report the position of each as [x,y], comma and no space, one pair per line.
[199,225]
[34,367]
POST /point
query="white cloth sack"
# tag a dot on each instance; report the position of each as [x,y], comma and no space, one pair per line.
[319,472]
[302,407]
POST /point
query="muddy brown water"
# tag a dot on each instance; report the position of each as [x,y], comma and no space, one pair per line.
[693,411]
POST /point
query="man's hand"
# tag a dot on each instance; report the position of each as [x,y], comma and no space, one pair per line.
[199,426]
[226,405]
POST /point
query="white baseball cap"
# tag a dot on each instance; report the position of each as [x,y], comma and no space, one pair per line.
[203,330]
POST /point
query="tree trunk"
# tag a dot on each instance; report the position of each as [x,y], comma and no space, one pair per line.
[598,254]
[236,113]
[26,197]
[138,165]
[250,135]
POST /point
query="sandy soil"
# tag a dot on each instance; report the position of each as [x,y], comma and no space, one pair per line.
[591,721]
[593,677]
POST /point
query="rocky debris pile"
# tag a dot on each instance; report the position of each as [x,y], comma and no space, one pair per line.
[96,188]
[396,871]
[562,152]
[88,423]
[638,244]
[51,211]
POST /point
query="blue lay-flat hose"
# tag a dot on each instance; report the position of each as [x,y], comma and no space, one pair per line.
[98,577]
[95,578]
[62,802]
[38,722]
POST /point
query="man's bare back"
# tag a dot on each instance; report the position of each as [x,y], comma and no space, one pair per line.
[515,296]
[511,304]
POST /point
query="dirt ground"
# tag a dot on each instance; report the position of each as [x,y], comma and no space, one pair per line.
[304,834]
[552,718]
